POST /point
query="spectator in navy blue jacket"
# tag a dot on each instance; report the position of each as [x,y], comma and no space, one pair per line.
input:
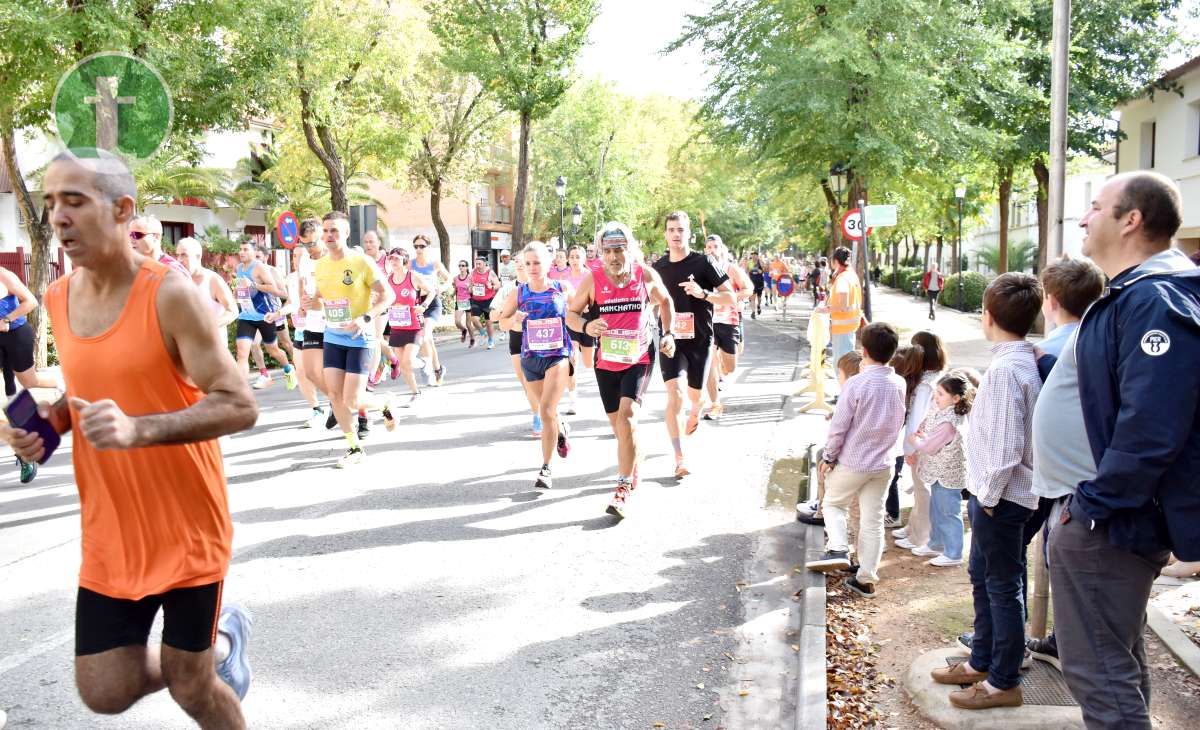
[1126,444]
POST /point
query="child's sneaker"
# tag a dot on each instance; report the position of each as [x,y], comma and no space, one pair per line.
[832,560]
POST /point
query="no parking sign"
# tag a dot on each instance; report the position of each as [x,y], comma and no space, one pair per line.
[786,285]
[287,229]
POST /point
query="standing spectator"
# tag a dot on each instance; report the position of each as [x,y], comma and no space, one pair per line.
[941,463]
[999,478]
[909,363]
[845,304]
[858,456]
[933,364]
[1135,493]
[932,284]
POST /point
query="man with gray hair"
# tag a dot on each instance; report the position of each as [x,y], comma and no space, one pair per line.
[216,292]
[1125,446]
[145,235]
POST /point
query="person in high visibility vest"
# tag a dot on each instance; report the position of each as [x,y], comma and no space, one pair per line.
[844,305]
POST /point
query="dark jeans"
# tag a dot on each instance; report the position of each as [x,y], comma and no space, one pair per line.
[933,297]
[996,567]
[1100,595]
[893,496]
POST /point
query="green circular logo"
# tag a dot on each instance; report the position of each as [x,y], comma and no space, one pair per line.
[114,102]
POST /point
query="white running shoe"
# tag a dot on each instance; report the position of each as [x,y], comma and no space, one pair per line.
[942,561]
[261,382]
[923,551]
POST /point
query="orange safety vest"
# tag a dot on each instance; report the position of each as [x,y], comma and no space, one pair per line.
[844,318]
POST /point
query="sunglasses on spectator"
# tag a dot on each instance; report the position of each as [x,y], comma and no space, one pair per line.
[139,235]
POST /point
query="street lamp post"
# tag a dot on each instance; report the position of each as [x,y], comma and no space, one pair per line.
[560,187]
[576,219]
[837,179]
[960,193]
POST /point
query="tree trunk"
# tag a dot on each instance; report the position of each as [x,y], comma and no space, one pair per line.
[925,266]
[1042,174]
[38,229]
[1006,178]
[435,212]
[895,263]
[940,240]
[518,224]
[835,223]
[322,144]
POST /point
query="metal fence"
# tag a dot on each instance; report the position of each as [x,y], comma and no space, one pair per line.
[18,262]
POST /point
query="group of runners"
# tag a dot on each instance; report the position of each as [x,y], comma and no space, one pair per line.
[129,308]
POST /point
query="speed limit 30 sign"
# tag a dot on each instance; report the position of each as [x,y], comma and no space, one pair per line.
[852,224]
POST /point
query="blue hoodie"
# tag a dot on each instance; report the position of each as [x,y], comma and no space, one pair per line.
[1138,349]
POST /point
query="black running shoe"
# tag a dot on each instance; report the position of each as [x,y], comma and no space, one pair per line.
[364,430]
[862,589]
[331,422]
[543,478]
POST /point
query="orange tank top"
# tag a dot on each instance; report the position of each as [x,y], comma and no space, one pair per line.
[153,518]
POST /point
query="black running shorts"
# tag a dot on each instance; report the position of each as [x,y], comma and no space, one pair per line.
[16,348]
[247,327]
[629,383]
[314,340]
[727,337]
[189,619]
[400,338]
[691,357]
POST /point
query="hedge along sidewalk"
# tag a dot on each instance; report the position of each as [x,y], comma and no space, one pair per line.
[973,285]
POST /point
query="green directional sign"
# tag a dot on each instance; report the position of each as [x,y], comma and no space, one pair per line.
[879,216]
[114,102]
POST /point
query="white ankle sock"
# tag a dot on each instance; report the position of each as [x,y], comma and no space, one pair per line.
[223,647]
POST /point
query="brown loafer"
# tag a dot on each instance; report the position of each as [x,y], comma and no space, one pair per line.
[960,673]
[976,697]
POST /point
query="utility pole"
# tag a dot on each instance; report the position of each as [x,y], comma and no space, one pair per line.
[1059,92]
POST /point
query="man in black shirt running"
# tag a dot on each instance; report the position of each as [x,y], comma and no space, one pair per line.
[695,283]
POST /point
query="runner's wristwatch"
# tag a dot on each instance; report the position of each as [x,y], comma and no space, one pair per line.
[366,317]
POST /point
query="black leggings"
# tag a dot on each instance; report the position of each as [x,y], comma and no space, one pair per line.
[893,496]
[16,354]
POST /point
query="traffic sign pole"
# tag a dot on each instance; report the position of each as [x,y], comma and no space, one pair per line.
[866,277]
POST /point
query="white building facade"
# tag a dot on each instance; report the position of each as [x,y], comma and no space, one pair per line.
[1162,133]
[1083,181]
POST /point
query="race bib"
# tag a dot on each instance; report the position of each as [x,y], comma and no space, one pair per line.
[478,290]
[245,303]
[620,346]
[337,311]
[685,326]
[400,316]
[543,335]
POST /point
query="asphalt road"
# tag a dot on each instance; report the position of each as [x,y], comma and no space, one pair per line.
[433,587]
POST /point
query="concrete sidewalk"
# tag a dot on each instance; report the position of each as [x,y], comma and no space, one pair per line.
[962,333]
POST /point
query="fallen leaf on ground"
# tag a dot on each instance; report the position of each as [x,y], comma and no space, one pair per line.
[743,693]
[795,647]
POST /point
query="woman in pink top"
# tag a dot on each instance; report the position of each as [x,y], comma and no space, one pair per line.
[404,320]
[462,302]
[585,353]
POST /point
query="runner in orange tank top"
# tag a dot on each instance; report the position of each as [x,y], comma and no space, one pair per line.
[149,391]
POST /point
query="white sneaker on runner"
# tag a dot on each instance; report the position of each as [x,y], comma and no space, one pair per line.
[261,382]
